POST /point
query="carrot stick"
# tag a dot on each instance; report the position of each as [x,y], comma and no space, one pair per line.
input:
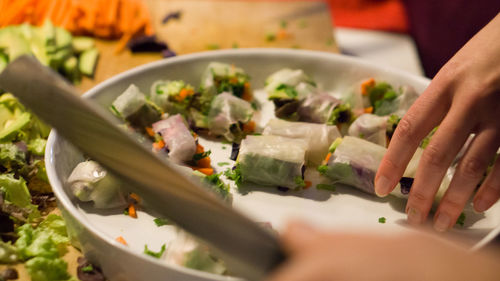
[135,197]
[13,12]
[204,162]
[247,94]
[206,171]
[327,158]
[368,109]
[159,145]
[366,85]
[131,211]
[61,12]
[199,149]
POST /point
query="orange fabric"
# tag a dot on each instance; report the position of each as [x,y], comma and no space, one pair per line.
[388,15]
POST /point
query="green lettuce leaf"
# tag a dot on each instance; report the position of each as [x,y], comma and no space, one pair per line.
[47,269]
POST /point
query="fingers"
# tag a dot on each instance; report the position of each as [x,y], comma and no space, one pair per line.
[297,235]
[427,111]
[435,160]
[468,174]
[489,192]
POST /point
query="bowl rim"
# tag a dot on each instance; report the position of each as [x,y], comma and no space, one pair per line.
[65,201]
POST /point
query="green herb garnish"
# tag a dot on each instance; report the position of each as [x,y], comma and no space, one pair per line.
[288,90]
[88,268]
[461,219]
[270,37]
[323,186]
[161,222]
[283,23]
[234,175]
[213,46]
[199,156]
[322,169]
[221,164]
[154,254]
[381,220]
[299,181]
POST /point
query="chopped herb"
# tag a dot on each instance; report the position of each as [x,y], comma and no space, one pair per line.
[283,23]
[341,114]
[226,142]
[288,90]
[254,105]
[334,145]
[88,268]
[161,222]
[270,37]
[299,181]
[322,169]
[224,147]
[323,186]
[461,219]
[361,136]
[303,24]
[221,164]
[296,46]
[235,45]
[218,185]
[234,174]
[213,46]
[125,212]
[381,220]
[199,156]
[154,254]
[329,42]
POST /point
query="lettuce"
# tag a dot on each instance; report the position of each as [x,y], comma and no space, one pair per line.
[15,192]
[46,269]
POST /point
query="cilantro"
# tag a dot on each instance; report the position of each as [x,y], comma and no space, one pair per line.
[381,220]
[296,46]
[461,219]
[125,212]
[199,156]
[322,169]
[224,147]
[254,105]
[218,185]
[161,222]
[329,42]
[299,181]
[234,175]
[235,45]
[288,90]
[323,186]
[270,37]
[221,164]
[303,24]
[283,23]
[154,254]
[88,268]
[213,46]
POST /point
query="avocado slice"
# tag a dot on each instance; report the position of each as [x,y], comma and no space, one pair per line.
[88,62]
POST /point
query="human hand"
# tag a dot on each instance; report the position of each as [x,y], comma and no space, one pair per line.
[323,256]
[465,98]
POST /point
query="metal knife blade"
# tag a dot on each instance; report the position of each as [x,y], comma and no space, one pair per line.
[247,249]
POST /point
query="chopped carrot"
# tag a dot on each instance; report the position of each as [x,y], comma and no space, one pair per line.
[135,197]
[159,145]
[195,135]
[368,109]
[367,85]
[247,94]
[282,34]
[121,240]
[249,127]
[308,184]
[199,149]
[233,80]
[183,94]
[132,211]
[206,171]
[123,43]
[150,131]
[327,158]
[204,162]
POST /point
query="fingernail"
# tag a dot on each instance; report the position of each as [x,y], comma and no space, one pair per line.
[414,216]
[442,222]
[480,205]
[382,186]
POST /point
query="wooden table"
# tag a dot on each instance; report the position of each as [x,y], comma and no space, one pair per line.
[208,25]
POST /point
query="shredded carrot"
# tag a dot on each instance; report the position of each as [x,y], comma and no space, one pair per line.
[327,158]
[199,149]
[159,145]
[206,171]
[195,135]
[282,34]
[366,85]
[150,131]
[183,94]
[135,197]
[368,109]
[249,127]
[204,162]
[247,94]
[121,240]
[132,211]
[308,184]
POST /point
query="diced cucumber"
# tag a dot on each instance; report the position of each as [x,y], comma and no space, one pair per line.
[88,62]
[82,43]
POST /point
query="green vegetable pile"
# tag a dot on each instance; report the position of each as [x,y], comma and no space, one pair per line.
[55,47]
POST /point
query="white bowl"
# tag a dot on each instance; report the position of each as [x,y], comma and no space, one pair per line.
[347,210]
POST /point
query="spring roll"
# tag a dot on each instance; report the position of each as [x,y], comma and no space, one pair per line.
[178,139]
[374,128]
[227,116]
[272,161]
[318,136]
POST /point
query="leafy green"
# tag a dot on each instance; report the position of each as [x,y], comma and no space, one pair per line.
[341,114]
[381,220]
[11,158]
[154,254]
[37,146]
[199,156]
[221,164]
[299,181]
[88,268]
[218,185]
[234,175]
[16,192]
[161,222]
[48,269]
[322,169]
[8,253]
[461,219]
[288,90]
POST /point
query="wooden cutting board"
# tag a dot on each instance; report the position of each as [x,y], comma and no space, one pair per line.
[205,25]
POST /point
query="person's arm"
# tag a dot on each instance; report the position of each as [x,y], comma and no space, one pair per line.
[463,98]
[323,256]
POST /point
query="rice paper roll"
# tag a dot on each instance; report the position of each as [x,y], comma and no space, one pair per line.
[178,139]
[272,161]
[324,108]
[374,128]
[318,136]
[220,78]
[172,96]
[398,106]
[355,162]
[227,116]
[90,182]
[134,107]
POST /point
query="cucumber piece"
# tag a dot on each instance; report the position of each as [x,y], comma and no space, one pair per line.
[88,62]
[63,38]
[82,43]
[70,69]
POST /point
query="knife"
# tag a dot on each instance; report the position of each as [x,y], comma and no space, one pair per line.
[248,250]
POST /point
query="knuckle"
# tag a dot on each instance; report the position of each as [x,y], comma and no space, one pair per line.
[452,203]
[434,156]
[418,197]
[472,167]
[404,130]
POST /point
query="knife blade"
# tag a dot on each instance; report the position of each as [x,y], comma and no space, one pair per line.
[248,250]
